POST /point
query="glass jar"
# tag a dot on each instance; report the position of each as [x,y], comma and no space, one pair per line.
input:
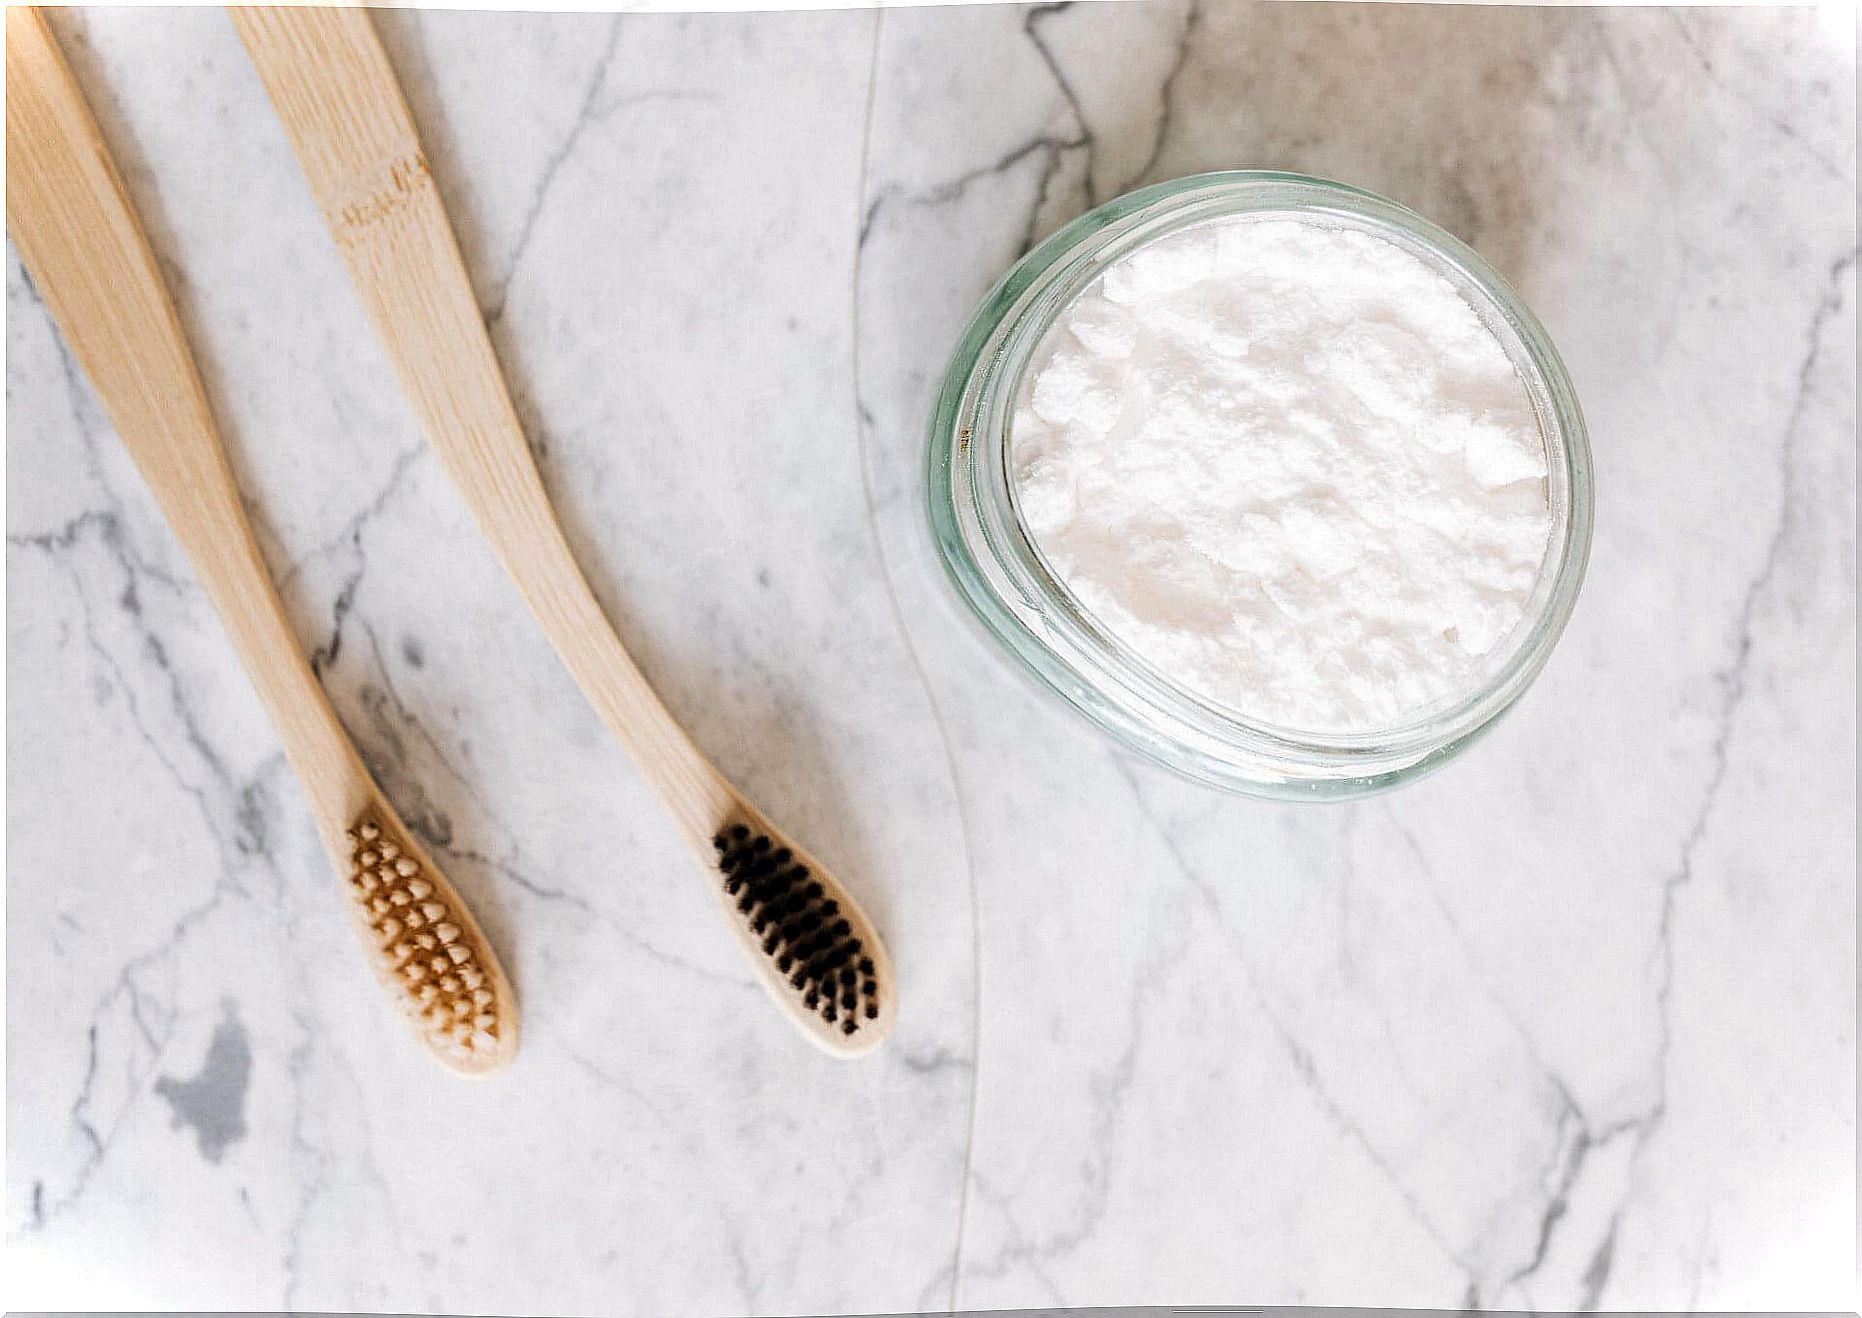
[1005,580]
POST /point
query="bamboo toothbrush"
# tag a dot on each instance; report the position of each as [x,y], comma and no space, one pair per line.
[813,948]
[89,258]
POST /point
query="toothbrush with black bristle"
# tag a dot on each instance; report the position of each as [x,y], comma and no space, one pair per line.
[814,949]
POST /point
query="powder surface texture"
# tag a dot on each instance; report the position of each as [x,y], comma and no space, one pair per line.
[1287,464]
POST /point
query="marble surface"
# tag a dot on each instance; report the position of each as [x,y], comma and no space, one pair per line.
[1569,1024]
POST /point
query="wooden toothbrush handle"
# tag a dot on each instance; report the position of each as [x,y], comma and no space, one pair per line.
[342,108]
[89,258]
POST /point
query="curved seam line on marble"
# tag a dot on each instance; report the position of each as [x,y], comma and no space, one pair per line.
[918,668]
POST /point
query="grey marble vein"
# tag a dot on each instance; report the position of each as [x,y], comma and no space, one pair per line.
[1568,1025]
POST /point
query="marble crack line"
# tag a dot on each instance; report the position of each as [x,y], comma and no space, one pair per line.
[1597,1272]
[931,1063]
[1568,1161]
[591,112]
[1019,1247]
[1702,1252]
[390,716]
[248,839]
[351,533]
[386,755]
[864,215]
[1645,1126]
[317,1178]
[1167,93]
[1562,1090]
[1297,1055]
[77,399]
[154,1037]
[107,523]
[154,1041]
[111,529]
[509,870]
[1574,1158]
[355,1140]
[1733,681]
[243,802]
[893,196]
[746,1283]
[1780,126]
[1084,139]
[247,831]
[584,117]
[1110,1090]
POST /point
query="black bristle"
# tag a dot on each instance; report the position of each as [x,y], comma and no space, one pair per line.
[795,927]
[799,926]
[785,905]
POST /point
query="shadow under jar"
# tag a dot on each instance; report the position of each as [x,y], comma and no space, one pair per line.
[1007,582]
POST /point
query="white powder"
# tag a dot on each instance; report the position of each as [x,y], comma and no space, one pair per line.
[1286,463]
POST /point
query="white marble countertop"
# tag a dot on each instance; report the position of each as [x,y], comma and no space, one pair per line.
[1570,1023]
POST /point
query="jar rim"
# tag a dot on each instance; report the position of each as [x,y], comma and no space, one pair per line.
[1001,573]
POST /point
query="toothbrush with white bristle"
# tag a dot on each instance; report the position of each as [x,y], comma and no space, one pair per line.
[89,258]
